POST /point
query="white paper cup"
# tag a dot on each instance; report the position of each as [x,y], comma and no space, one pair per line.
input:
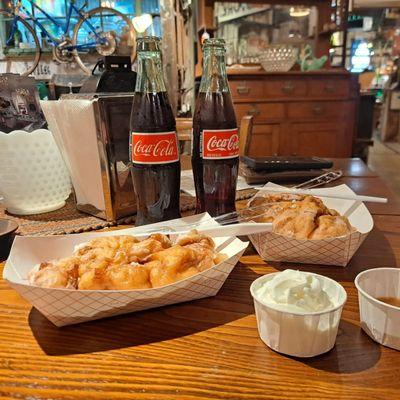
[306,334]
[379,320]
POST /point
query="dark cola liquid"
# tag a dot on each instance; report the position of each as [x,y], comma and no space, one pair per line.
[157,186]
[215,180]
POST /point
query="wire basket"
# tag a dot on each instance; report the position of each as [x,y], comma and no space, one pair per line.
[278,58]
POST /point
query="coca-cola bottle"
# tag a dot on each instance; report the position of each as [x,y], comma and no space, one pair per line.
[153,142]
[215,151]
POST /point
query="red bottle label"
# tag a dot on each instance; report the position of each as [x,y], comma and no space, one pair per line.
[154,148]
[221,143]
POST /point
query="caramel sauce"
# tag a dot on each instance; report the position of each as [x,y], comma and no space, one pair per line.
[393,301]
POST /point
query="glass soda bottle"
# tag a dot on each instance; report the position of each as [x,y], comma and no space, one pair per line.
[153,141]
[215,143]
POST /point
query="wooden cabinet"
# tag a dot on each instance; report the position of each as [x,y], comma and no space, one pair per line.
[324,139]
[305,114]
[261,112]
[331,88]
[319,110]
[265,139]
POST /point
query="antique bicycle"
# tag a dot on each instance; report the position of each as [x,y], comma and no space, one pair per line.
[101,31]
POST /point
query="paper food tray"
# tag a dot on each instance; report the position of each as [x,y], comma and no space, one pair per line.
[333,251]
[66,306]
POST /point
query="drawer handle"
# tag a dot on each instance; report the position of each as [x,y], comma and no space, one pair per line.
[288,88]
[330,88]
[242,90]
[318,110]
[254,112]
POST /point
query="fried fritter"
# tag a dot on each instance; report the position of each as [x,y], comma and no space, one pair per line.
[299,216]
[124,262]
[63,274]
[122,249]
[115,277]
[173,264]
[329,226]
[292,223]
[204,248]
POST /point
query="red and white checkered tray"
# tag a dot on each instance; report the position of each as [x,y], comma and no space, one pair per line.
[66,306]
[334,251]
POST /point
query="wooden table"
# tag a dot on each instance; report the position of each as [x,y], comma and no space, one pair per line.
[205,349]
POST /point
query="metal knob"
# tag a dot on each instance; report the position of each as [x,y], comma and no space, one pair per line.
[318,110]
[242,90]
[288,88]
[330,88]
[253,111]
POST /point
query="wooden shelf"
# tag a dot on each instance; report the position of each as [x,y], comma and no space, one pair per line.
[259,71]
[320,38]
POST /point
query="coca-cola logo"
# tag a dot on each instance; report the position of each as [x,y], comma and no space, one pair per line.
[154,148]
[217,144]
[161,148]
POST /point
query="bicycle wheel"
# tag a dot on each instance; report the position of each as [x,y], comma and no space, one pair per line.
[19,45]
[103,32]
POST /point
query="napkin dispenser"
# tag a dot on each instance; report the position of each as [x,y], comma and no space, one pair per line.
[92,132]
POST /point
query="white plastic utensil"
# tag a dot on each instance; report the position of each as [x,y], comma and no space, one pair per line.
[214,231]
[324,193]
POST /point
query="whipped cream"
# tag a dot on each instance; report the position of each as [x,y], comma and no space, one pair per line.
[294,291]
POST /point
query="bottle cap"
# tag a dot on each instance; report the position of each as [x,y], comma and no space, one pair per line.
[148,43]
[214,42]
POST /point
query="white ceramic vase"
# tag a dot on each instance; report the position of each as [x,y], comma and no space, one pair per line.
[33,176]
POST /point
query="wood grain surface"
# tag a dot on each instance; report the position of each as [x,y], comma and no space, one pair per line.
[353,167]
[205,349]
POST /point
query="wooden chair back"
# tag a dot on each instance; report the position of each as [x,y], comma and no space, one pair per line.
[246,129]
[184,129]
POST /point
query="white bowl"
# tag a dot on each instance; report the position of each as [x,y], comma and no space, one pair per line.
[306,334]
[33,176]
[381,321]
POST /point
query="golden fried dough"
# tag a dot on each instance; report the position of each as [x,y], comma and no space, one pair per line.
[299,216]
[329,226]
[124,262]
[269,206]
[293,223]
[62,275]
[115,277]
[204,248]
[173,264]
[122,249]
[312,204]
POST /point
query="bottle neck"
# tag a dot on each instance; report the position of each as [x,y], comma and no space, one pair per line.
[150,78]
[214,78]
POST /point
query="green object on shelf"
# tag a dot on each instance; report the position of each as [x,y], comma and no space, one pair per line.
[42,89]
[307,60]
[17,38]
